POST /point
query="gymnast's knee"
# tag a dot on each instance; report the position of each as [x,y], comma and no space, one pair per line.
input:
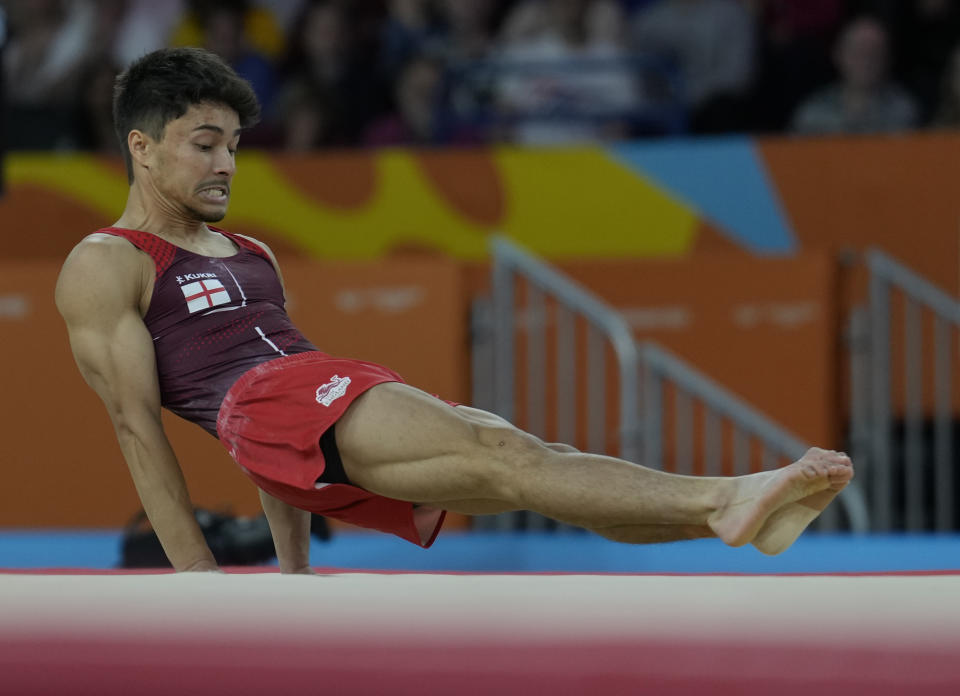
[510,441]
[512,454]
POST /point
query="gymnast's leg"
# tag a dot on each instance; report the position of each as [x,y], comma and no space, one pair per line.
[629,534]
[399,442]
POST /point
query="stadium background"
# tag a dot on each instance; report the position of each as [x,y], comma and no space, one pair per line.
[736,244]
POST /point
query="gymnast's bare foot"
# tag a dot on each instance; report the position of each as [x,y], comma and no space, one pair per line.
[786,524]
[772,508]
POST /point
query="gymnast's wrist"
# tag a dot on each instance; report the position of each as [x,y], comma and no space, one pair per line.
[203,566]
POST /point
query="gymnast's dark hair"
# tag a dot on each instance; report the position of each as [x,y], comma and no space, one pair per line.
[161,86]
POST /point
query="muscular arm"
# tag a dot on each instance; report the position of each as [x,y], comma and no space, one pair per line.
[290,529]
[98,294]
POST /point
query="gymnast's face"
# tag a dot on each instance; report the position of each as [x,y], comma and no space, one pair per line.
[189,170]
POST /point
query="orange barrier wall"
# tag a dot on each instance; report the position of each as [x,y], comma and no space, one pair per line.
[767,329]
[62,466]
[764,328]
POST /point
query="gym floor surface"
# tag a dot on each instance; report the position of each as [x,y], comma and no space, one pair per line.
[112,633]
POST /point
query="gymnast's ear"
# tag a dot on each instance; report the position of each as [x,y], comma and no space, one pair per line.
[141,147]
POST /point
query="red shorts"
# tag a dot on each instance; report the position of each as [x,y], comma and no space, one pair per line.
[271,421]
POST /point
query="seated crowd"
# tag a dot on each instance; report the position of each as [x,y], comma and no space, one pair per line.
[341,73]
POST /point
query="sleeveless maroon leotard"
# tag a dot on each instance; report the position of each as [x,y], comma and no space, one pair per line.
[212,319]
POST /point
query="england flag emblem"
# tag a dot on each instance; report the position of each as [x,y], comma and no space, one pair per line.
[204,294]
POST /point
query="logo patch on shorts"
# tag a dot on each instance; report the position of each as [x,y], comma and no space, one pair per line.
[332,390]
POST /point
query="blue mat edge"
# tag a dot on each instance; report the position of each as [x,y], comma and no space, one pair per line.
[536,552]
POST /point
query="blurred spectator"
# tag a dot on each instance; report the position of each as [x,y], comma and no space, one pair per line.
[927,32]
[95,131]
[415,119]
[631,6]
[50,45]
[948,109]
[455,31]
[564,72]
[108,20]
[262,32]
[50,42]
[795,44]
[322,67]
[223,25]
[405,30]
[467,29]
[307,118]
[712,43]
[146,26]
[864,100]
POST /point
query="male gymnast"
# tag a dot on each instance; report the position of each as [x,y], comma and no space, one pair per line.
[163,310]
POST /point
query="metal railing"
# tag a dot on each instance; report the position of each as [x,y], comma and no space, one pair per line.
[604,324]
[924,460]
[555,306]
